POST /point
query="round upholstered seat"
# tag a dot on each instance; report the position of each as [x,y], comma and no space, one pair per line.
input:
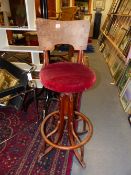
[67,77]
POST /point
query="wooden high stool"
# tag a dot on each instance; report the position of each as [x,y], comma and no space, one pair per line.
[67,78]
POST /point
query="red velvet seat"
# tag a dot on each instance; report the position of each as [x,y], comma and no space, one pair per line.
[67,77]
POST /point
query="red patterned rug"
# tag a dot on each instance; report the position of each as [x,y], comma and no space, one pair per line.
[19,156]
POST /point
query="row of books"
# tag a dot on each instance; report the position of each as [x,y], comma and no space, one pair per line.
[121,7]
[115,23]
[119,30]
[114,61]
[121,74]
[118,24]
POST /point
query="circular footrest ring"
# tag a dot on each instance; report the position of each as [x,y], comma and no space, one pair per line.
[73,145]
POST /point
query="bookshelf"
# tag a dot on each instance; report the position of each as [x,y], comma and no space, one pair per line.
[29,26]
[115,44]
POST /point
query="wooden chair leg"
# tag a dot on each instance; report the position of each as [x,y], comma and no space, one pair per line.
[72,137]
[80,157]
[84,129]
[66,115]
[59,128]
[42,151]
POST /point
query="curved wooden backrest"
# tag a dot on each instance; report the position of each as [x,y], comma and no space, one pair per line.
[53,32]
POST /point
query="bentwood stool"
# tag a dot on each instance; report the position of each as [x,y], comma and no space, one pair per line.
[67,78]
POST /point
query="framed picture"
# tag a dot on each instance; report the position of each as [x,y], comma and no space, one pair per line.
[107,53]
[124,77]
[99,4]
[120,7]
[123,7]
[127,8]
[119,72]
[65,3]
[110,60]
[125,41]
[115,6]
[125,96]
[115,65]
[109,24]
[121,34]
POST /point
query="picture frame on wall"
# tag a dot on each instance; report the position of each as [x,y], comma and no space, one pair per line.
[114,3]
[119,73]
[116,6]
[98,4]
[125,41]
[120,6]
[125,95]
[124,77]
[127,8]
[65,3]
[124,4]
[121,33]
[115,65]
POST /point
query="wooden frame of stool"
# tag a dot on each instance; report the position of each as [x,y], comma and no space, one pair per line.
[67,114]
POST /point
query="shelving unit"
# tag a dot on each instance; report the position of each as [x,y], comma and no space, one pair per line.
[115,43]
[34,50]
